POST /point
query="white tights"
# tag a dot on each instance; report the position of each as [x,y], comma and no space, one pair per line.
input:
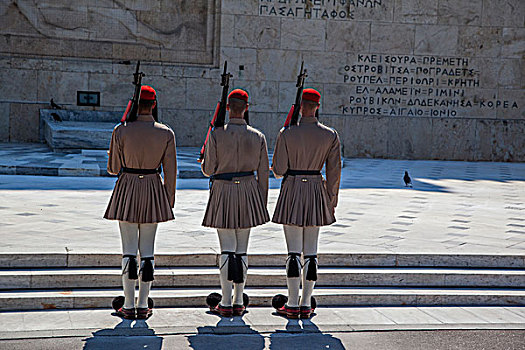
[235,241]
[301,240]
[135,237]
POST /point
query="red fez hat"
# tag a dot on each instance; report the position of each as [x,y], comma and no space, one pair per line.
[311,95]
[239,94]
[147,93]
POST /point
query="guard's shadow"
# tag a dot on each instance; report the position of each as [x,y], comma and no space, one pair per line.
[303,334]
[128,334]
[233,333]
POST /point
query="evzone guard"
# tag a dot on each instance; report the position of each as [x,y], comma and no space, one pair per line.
[140,145]
[306,201]
[237,201]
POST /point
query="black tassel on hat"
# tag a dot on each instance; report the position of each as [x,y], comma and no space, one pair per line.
[311,268]
[132,267]
[147,269]
[292,264]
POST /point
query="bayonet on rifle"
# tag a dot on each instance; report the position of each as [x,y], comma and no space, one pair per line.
[220,111]
[133,105]
[293,114]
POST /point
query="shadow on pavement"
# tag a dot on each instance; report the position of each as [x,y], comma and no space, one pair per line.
[228,334]
[303,334]
[128,334]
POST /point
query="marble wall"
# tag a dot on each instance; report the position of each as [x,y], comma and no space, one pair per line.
[422,79]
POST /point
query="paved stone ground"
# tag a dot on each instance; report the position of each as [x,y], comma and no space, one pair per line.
[454,207]
[197,321]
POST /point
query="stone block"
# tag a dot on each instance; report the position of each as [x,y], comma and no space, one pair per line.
[392,38]
[479,41]
[195,57]
[235,7]
[324,67]
[496,72]
[278,65]
[61,86]
[409,137]
[454,139]
[4,122]
[304,34]
[151,69]
[436,40]
[181,31]
[227,30]
[171,91]
[416,11]
[348,36]
[513,43]
[336,98]
[136,52]
[371,12]
[189,126]
[460,12]
[63,22]
[264,95]
[14,21]
[365,137]
[480,99]
[287,94]
[202,93]
[257,32]
[515,97]
[242,63]
[24,122]
[140,5]
[18,85]
[501,140]
[115,89]
[503,13]
[114,24]
[84,49]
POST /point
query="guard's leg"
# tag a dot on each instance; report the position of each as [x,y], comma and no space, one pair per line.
[243,235]
[294,242]
[228,243]
[310,240]
[129,237]
[147,234]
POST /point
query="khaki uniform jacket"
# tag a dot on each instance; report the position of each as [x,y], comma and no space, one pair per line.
[237,147]
[142,144]
[307,146]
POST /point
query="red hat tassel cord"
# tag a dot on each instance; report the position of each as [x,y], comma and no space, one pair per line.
[211,126]
[289,117]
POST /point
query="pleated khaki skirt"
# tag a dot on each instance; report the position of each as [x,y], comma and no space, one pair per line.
[235,204]
[139,199]
[303,201]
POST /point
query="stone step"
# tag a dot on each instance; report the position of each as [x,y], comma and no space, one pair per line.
[195,297]
[266,277]
[70,259]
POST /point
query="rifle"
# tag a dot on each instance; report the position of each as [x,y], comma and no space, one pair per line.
[293,114]
[133,105]
[220,111]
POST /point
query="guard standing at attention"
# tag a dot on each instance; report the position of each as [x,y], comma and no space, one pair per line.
[141,199]
[306,201]
[238,198]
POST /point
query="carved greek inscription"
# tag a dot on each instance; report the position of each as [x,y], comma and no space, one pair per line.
[406,85]
[315,9]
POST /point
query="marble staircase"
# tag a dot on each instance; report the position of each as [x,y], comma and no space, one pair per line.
[76,281]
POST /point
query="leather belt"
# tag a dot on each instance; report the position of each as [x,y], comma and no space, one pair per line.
[292,172]
[140,171]
[230,176]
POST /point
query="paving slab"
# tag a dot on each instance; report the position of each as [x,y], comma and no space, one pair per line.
[258,320]
[464,209]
